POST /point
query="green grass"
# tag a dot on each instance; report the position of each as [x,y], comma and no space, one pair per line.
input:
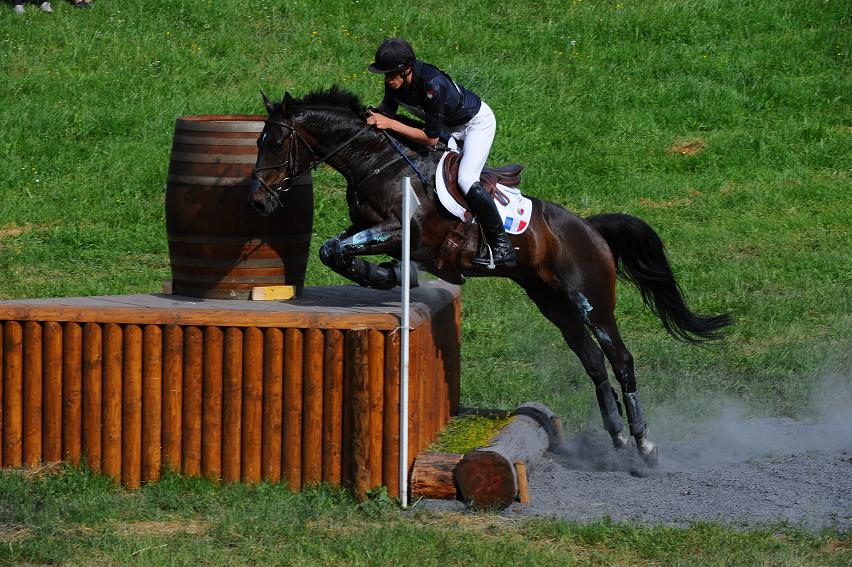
[71,517]
[594,96]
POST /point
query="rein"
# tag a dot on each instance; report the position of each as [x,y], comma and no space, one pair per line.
[291,160]
[312,164]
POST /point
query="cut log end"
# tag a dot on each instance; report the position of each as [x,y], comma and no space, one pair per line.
[433,476]
[486,480]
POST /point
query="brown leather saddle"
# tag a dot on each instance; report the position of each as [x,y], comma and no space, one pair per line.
[508,175]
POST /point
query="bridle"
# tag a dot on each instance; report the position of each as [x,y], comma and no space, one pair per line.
[292,161]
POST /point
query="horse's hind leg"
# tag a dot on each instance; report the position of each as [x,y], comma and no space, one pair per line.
[560,313]
[603,325]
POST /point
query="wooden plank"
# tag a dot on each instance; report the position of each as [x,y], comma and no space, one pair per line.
[193,346]
[131,411]
[112,395]
[52,394]
[13,405]
[172,454]
[358,353]
[91,447]
[313,401]
[72,393]
[152,402]
[232,405]
[252,404]
[273,292]
[320,307]
[332,407]
[33,375]
[391,413]
[273,385]
[182,315]
[211,423]
[376,388]
[293,365]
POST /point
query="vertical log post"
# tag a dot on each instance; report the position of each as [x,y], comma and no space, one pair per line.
[273,384]
[390,415]
[13,408]
[32,393]
[72,391]
[52,384]
[152,402]
[92,396]
[172,454]
[252,404]
[131,423]
[232,405]
[313,416]
[358,355]
[211,420]
[292,462]
[111,440]
[2,386]
[332,407]
[376,388]
[193,345]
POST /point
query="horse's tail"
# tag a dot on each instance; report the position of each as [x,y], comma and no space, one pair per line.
[641,259]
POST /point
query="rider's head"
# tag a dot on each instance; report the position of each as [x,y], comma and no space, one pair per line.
[394,59]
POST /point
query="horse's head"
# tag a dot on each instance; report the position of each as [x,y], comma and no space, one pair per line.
[283,156]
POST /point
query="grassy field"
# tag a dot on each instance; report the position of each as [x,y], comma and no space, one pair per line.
[726,125]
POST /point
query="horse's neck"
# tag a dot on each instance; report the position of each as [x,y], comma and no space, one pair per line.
[357,158]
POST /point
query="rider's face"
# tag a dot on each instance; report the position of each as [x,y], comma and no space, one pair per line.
[395,80]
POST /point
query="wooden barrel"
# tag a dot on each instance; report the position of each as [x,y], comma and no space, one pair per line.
[218,246]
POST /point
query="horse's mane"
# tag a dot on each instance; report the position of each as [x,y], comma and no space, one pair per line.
[334,97]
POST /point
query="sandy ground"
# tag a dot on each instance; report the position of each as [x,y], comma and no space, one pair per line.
[740,473]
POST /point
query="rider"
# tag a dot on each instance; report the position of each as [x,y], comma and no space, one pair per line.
[449,110]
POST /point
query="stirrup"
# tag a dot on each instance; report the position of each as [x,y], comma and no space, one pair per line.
[490,264]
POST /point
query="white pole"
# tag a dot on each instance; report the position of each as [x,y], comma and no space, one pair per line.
[409,205]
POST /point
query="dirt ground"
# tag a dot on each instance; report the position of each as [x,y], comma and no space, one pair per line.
[740,473]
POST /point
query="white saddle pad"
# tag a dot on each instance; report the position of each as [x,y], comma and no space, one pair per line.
[516,215]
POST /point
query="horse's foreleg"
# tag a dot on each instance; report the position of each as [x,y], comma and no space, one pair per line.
[340,254]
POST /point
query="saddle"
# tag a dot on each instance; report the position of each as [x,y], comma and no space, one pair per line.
[508,175]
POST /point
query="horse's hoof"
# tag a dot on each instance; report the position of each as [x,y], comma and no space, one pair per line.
[650,453]
[619,439]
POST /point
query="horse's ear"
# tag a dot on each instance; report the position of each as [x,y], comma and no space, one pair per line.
[288,102]
[269,106]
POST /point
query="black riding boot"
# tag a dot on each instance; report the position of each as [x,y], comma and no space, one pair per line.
[482,205]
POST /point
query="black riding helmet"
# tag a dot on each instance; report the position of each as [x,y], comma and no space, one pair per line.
[392,55]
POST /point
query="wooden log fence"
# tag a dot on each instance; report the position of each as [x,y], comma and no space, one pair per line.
[248,398]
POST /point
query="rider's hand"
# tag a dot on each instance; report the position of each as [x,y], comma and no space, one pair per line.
[380,121]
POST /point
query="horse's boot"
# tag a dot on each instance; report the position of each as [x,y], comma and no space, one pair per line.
[502,251]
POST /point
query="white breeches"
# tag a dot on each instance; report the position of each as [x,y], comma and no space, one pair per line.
[477,137]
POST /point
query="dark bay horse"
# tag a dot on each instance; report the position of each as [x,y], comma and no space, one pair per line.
[567,265]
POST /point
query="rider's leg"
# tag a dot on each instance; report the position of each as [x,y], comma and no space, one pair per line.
[478,136]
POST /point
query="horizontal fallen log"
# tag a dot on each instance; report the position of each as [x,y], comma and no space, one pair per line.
[488,477]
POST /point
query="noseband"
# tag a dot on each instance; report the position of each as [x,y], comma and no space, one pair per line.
[292,162]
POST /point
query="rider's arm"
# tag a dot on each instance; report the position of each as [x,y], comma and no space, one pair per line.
[415,134]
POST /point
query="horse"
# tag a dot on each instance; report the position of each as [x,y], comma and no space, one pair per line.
[567,265]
